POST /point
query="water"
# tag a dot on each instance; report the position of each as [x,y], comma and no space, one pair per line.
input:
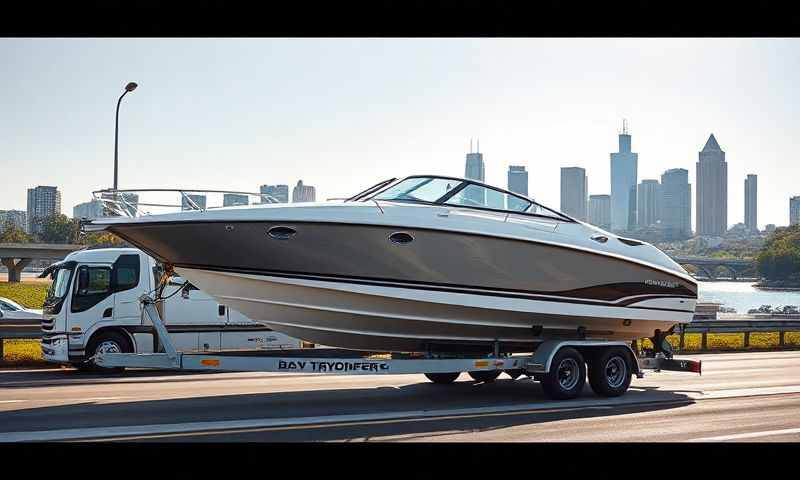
[743,295]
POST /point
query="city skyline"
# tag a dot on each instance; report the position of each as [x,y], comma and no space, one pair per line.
[539,103]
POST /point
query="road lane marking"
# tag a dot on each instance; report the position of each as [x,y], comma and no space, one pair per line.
[740,436]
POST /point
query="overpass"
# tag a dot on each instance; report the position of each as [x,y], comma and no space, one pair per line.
[16,256]
[709,265]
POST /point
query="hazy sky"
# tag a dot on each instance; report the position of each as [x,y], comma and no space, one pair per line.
[343,114]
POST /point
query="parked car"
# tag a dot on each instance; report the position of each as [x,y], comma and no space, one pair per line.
[10,310]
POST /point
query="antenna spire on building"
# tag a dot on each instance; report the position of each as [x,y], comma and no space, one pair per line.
[479,145]
[470,145]
[624,126]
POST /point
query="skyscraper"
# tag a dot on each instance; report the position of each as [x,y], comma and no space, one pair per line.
[794,211]
[475,170]
[600,211]
[574,192]
[89,210]
[676,204]
[751,202]
[13,218]
[648,203]
[517,183]
[712,190]
[278,192]
[303,193]
[234,199]
[624,176]
[43,202]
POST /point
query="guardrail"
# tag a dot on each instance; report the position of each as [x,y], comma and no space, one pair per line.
[19,329]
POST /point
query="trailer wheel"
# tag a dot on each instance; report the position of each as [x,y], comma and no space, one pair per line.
[485,376]
[111,342]
[610,372]
[442,378]
[567,375]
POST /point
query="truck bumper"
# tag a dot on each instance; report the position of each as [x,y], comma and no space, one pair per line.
[55,348]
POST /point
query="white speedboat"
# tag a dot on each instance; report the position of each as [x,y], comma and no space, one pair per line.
[425,263]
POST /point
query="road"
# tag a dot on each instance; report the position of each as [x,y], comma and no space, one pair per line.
[739,397]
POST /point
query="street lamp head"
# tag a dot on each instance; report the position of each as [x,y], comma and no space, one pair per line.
[131,86]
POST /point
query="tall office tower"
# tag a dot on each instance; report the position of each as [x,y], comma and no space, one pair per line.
[234,199]
[278,192]
[43,202]
[574,192]
[624,177]
[712,190]
[89,210]
[196,201]
[475,170]
[751,202]
[600,211]
[13,218]
[648,203]
[676,204]
[517,183]
[794,211]
[303,193]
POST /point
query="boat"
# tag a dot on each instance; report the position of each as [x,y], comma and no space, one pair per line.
[424,263]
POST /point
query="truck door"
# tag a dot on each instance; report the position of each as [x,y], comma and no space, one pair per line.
[129,284]
[92,297]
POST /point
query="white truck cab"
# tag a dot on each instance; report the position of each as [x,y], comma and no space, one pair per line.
[93,305]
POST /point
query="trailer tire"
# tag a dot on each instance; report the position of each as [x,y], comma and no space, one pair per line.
[485,376]
[610,372]
[110,341]
[567,375]
[442,378]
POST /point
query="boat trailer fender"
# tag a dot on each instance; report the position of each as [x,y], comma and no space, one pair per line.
[543,356]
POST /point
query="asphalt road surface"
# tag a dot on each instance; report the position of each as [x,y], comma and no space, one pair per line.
[739,397]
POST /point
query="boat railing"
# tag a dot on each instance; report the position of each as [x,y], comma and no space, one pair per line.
[142,202]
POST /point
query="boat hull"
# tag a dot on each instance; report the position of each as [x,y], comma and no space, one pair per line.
[404,319]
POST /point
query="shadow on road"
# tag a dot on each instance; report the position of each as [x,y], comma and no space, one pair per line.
[522,393]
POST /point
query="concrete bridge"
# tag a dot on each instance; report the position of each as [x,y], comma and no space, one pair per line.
[16,256]
[710,266]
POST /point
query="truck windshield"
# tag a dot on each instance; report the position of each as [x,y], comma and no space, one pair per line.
[61,278]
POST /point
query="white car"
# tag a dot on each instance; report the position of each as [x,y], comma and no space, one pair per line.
[10,310]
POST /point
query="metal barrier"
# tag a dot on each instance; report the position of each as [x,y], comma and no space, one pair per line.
[19,329]
[744,326]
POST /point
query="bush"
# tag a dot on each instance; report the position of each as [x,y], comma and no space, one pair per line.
[29,295]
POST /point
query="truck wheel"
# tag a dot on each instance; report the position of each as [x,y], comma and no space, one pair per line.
[442,378]
[610,372]
[485,376]
[111,342]
[567,375]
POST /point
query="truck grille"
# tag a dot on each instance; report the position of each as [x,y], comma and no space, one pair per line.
[48,324]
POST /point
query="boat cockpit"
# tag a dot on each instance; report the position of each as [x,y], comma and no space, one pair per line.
[457,192]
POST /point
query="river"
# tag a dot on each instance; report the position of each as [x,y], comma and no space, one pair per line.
[743,295]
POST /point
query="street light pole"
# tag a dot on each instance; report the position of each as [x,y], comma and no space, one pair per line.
[128,88]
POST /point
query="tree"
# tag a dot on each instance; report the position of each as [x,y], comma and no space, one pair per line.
[102,240]
[59,229]
[11,233]
[780,257]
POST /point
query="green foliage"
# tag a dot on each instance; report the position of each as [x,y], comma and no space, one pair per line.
[102,240]
[780,257]
[11,233]
[29,295]
[59,229]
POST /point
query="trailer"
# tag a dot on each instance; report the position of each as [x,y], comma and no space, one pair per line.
[561,365]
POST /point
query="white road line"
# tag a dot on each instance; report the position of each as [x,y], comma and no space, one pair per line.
[740,436]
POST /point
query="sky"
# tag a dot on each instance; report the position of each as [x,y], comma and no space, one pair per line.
[343,114]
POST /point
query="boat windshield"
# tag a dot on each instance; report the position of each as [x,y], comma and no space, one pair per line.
[420,189]
[463,193]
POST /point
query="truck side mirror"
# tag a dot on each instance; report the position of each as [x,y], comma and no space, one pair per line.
[83,280]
